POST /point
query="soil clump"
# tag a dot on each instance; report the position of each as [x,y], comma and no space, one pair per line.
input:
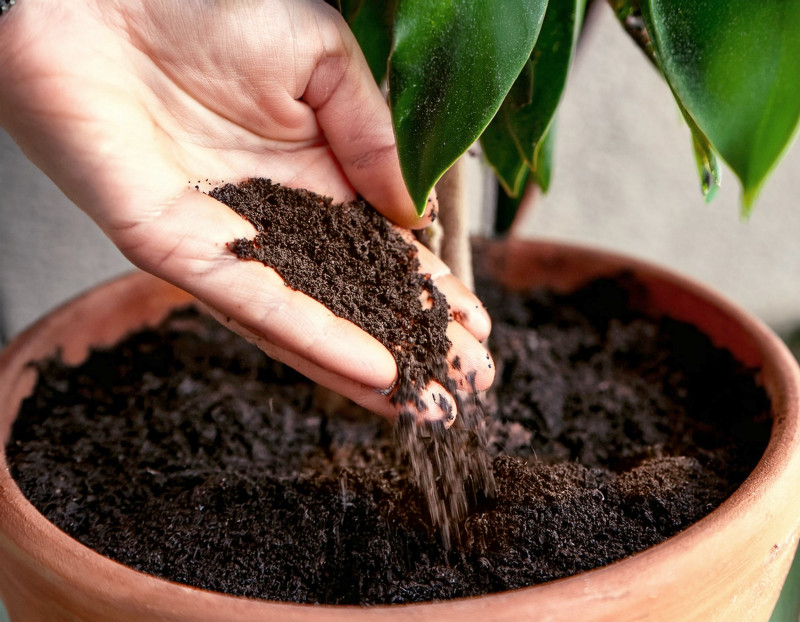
[356,263]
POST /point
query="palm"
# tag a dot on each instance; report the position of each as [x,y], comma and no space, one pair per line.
[168,105]
[167,96]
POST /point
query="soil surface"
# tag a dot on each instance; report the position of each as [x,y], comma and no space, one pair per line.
[186,453]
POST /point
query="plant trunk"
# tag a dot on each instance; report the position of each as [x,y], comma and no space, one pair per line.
[455,246]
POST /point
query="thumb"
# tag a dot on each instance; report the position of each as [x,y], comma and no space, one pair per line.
[357,124]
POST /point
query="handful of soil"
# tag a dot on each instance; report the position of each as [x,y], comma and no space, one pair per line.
[355,262]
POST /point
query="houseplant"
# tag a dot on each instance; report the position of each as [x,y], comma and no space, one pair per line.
[733,78]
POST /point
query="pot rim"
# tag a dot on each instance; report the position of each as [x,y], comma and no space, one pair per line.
[23,528]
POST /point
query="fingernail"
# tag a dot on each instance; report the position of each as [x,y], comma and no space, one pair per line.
[432,208]
[388,391]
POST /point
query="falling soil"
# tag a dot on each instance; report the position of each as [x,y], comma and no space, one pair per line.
[356,263]
[185,453]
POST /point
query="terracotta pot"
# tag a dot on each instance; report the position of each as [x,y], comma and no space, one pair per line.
[728,566]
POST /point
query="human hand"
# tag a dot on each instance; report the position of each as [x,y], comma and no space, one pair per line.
[126,105]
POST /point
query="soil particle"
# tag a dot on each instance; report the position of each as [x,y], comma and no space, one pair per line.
[186,453]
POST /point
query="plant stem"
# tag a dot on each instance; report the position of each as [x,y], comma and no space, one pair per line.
[455,248]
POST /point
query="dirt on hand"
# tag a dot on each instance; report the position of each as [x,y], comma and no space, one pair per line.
[355,262]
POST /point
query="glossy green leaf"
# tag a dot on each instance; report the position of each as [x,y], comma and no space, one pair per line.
[534,98]
[503,155]
[512,171]
[508,206]
[734,66]
[544,157]
[787,609]
[522,132]
[629,15]
[501,149]
[372,26]
[453,61]
[348,8]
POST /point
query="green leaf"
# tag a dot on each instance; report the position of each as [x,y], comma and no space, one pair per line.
[500,147]
[734,66]
[787,609]
[453,61]
[534,98]
[512,171]
[508,206]
[629,14]
[544,157]
[349,8]
[372,26]
[503,155]
[522,132]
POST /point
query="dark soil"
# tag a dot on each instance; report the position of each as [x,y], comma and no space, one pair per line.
[356,263]
[352,260]
[186,453]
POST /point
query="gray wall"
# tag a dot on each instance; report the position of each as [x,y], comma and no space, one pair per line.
[49,249]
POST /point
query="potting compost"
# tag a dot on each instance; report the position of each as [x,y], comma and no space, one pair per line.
[186,453]
[356,263]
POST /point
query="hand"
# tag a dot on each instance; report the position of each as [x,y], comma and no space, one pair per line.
[126,105]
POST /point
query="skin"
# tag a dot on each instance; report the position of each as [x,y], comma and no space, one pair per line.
[125,105]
